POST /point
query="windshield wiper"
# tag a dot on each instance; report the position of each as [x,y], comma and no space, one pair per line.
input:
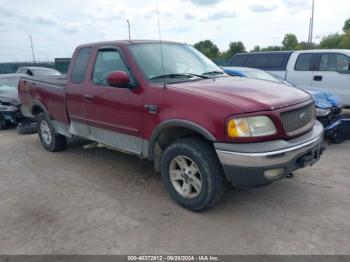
[213,73]
[177,75]
[201,76]
[170,76]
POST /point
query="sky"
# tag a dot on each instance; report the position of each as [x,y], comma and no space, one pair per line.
[57,27]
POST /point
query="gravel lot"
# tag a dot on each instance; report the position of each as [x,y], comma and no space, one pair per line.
[97,201]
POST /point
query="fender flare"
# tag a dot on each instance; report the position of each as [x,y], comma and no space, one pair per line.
[39,104]
[176,123]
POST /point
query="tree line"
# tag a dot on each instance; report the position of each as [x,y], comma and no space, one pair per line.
[290,42]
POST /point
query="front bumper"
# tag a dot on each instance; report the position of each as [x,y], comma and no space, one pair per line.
[252,164]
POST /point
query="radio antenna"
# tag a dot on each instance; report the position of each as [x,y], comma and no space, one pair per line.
[161,46]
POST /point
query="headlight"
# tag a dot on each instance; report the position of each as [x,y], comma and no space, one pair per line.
[254,126]
[323,112]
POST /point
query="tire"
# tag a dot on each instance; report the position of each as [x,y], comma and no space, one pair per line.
[49,139]
[3,124]
[27,128]
[194,153]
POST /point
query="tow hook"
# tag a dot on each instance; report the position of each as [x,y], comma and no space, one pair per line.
[306,160]
[310,158]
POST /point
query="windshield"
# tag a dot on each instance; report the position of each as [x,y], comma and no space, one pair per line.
[8,83]
[180,61]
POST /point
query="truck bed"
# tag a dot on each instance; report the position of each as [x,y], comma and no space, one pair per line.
[54,80]
[50,91]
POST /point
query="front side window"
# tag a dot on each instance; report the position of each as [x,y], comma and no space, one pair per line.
[168,59]
[107,61]
[303,62]
[80,65]
[334,62]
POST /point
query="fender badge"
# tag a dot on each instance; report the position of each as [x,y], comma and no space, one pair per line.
[152,109]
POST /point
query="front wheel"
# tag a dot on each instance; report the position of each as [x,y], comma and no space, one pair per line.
[192,174]
[49,139]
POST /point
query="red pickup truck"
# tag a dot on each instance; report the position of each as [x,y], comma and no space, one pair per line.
[170,104]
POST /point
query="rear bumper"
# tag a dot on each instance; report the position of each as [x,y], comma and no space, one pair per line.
[262,163]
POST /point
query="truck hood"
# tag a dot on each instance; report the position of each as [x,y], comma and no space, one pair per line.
[250,95]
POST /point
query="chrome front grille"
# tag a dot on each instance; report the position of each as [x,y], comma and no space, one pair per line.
[298,119]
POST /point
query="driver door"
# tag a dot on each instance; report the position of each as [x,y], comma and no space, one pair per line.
[114,115]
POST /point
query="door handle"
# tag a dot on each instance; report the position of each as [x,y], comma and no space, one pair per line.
[317,78]
[88,97]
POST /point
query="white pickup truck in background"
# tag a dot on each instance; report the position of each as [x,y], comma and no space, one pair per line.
[324,68]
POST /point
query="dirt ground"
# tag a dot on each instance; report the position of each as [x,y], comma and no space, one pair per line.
[98,201]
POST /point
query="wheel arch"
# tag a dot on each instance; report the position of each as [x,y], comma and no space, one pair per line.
[170,130]
[37,108]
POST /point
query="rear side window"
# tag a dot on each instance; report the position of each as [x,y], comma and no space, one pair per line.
[303,62]
[237,60]
[334,62]
[278,61]
[264,61]
[80,65]
[259,61]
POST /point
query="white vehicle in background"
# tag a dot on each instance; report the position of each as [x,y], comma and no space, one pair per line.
[37,71]
[307,68]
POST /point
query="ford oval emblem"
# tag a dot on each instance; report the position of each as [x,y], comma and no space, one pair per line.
[302,116]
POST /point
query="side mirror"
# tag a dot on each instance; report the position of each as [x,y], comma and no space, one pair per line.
[118,79]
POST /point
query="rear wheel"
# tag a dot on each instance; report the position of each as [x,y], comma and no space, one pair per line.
[49,139]
[192,173]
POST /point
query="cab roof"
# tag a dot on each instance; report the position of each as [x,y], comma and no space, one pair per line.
[127,42]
